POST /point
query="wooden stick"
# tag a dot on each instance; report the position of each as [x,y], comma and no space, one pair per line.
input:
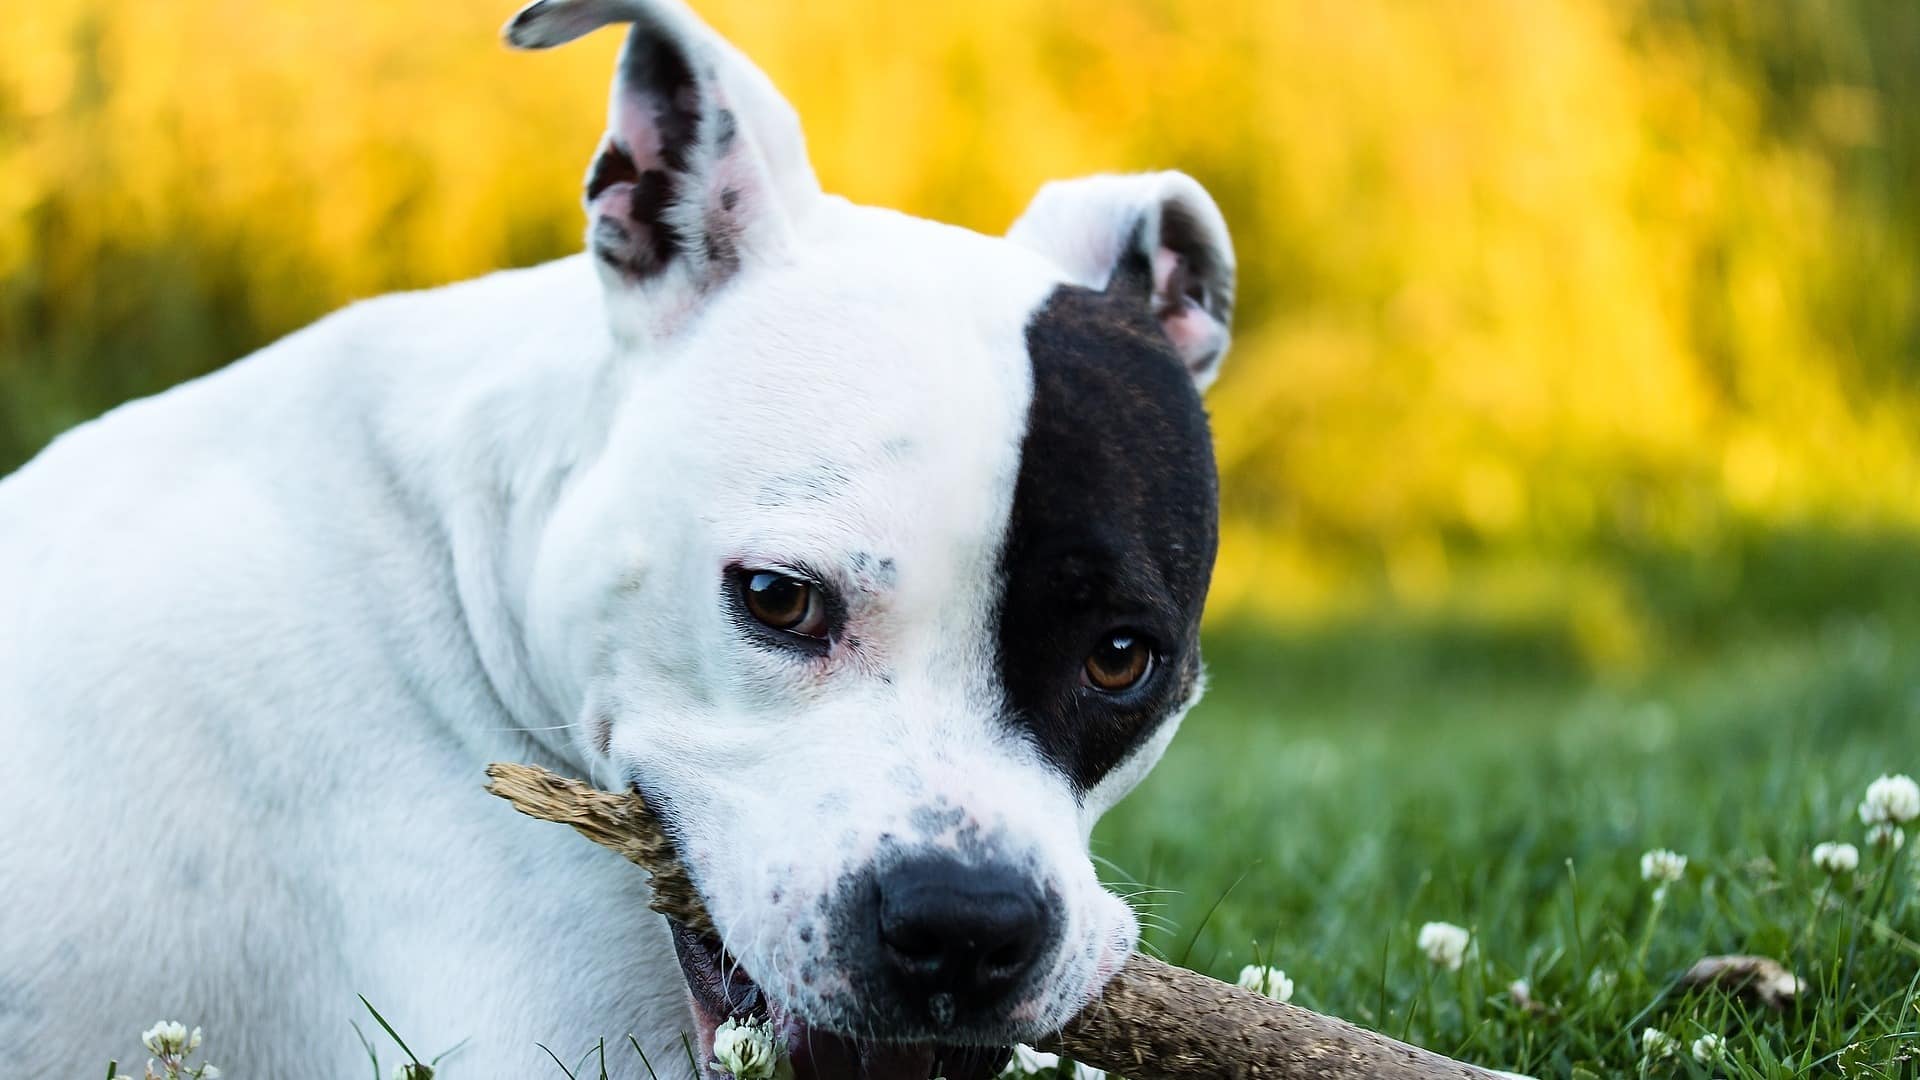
[1153,1021]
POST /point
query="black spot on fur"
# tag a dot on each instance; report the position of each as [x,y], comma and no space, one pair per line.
[729,199]
[880,570]
[613,166]
[1114,525]
[612,243]
[655,83]
[935,821]
[655,72]
[638,242]
[726,129]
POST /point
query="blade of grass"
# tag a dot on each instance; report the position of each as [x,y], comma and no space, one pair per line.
[390,1032]
[557,1061]
[648,1065]
[373,1055]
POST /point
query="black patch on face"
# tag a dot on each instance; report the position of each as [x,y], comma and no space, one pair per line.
[1114,526]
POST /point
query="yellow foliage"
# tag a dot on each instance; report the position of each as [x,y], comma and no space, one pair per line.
[1517,274]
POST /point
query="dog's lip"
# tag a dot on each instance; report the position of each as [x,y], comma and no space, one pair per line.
[721,989]
[719,985]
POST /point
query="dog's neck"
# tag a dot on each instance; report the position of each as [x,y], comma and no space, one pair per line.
[519,409]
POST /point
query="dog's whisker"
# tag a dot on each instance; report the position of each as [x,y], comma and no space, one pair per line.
[1136,887]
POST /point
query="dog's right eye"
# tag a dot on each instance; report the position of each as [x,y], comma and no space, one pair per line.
[785,603]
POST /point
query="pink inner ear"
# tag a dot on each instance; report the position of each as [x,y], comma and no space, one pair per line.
[1167,266]
[1197,336]
[637,128]
[615,202]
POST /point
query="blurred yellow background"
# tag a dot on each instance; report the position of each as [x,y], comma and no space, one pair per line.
[1598,315]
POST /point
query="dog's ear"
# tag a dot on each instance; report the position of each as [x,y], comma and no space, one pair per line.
[702,167]
[1159,235]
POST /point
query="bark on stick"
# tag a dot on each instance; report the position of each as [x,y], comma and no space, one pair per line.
[1153,1021]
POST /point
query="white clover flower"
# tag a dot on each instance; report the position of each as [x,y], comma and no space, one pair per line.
[1709,1049]
[1891,837]
[1662,867]
[746,1051]
[208,1072]
[1027,1061]
[1445,944]
[1270,981]
[1657,1045]
[167,1038]
[1520,992]
[1602,980]
[1836,858]
[1891,800]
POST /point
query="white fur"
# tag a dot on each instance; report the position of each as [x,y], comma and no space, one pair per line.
[261,633]
[1087,226]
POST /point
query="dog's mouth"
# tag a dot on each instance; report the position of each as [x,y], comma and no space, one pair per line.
[722,990]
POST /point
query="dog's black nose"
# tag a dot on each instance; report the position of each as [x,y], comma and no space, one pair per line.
[959,936]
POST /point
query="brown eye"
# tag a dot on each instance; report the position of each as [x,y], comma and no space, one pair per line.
[1118,664]
[783,602]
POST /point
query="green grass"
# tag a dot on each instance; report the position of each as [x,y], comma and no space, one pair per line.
[1343,784]
[1338,789]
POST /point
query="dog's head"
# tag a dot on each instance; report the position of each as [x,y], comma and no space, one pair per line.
[887,580]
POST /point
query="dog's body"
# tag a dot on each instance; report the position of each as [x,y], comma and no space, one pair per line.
[258,633]
[261,633]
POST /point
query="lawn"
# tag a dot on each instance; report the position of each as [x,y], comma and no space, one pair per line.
[1338,789]
[1344,784]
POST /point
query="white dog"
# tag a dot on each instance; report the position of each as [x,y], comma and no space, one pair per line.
[870,550]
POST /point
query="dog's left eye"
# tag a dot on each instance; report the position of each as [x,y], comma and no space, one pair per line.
[785,603]
[1119,663]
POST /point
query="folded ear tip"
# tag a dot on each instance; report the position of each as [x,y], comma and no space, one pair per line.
[1191,196]
[523,31]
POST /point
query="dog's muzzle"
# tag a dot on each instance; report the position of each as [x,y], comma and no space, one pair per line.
[936,951]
